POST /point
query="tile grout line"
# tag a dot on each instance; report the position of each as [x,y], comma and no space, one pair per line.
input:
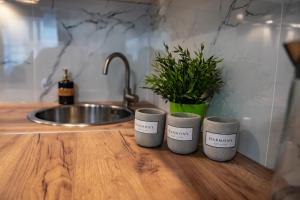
[275,81]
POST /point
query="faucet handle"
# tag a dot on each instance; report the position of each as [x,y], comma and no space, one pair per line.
[129,98]
[132,97]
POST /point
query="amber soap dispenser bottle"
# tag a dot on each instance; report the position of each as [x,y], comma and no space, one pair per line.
[66,90]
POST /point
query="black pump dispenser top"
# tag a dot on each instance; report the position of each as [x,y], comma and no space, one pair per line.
[66,75]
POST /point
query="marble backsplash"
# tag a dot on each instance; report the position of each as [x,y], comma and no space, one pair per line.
[38,41]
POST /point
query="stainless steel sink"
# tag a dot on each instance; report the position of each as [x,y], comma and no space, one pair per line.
[81,115]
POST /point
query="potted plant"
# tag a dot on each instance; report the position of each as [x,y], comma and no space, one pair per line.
[187,81]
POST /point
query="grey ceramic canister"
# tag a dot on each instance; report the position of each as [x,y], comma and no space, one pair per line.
[149,127]
[220,138]
[183,131]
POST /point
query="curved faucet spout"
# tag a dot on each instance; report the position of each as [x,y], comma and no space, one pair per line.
[126,64]
[127,96]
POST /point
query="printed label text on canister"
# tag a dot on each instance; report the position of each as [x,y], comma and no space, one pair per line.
[180,133]
[220,140]
[145,127]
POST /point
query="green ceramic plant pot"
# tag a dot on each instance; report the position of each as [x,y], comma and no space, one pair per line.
[199,109]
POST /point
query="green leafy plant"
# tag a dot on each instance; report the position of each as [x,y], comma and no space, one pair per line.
[182,78]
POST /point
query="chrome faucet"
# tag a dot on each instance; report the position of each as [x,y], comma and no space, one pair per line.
[128,97]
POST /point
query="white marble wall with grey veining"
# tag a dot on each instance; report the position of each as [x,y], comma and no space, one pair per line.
[16,53]
[248,34]
[40,40]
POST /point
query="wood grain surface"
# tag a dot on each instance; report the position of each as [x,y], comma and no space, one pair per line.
[109,165]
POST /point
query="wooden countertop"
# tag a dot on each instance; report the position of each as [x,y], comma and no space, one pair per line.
[103,163]
[13,119]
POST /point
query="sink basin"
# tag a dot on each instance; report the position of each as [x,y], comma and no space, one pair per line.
[81,115]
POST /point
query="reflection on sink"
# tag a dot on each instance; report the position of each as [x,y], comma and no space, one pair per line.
[81,115]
